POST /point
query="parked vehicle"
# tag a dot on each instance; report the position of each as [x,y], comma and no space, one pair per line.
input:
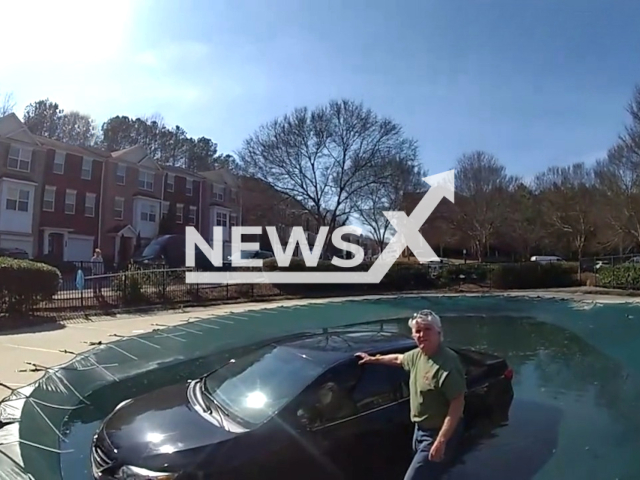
[284,409]
[18,253]
[546,259]
[169,251]
[242,258]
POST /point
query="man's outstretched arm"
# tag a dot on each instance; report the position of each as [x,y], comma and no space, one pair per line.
[395,359]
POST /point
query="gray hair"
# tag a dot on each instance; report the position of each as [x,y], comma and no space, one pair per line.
[426,317]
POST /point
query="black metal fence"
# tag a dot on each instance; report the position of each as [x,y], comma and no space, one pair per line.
[81,290]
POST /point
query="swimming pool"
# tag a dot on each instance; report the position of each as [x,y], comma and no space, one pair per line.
[576,364]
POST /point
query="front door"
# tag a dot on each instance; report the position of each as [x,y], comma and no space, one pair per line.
[124,253]
[56,245]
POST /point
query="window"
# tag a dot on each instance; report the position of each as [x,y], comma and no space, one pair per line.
[165,209]
[218,192]
[70,202]
[379,386]
[121,174]
[348,391]
[58,163]
[257,385]
[87,168]
[90,205]
[179,209]
[233,220]
[189,187]
[19,158]
[192,214]
[118,208]
[221,219]
[171,179]
[148,213]
[145,180]
[18,199]
[49,199]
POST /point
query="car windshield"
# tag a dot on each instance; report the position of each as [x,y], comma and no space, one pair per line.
[153,249]
[244,255]
[258,385]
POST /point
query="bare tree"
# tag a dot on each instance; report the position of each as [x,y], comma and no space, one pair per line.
[483,190]
[523,226]
[618,179]
[403,176]
[566,202]
[7,104]
[324,158]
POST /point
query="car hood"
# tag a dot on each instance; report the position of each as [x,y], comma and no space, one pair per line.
[162,427]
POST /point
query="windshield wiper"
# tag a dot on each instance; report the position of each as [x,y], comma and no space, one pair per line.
[219,409]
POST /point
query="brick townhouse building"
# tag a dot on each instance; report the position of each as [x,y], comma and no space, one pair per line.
[263,206]
[222,202]
[60,201]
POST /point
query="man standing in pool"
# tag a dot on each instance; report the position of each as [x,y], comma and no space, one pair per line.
[437,386]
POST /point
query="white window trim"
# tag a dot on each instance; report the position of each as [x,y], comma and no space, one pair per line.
[93,206]
[85,161]
[119,176]
[13,193]
[179,212]
[52,189]
[20,158]
[147,210]
[143,180]
[218,192]
[66,202]
[171,182]
[193,214]
[189,187]
[117,216]
[62,163]
[225,218]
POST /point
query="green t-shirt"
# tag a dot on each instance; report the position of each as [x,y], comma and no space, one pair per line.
[433,383]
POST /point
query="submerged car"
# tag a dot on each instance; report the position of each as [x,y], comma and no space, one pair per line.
[293,407]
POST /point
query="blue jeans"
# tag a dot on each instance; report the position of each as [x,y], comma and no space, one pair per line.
[421,467]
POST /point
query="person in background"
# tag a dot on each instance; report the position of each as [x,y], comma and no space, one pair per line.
[437,387]
[97,268]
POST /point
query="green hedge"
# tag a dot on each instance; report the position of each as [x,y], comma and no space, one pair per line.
[24,284]
[400,277]
[533,275]
[626,276]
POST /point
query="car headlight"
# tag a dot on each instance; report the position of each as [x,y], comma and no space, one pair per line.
[137,473]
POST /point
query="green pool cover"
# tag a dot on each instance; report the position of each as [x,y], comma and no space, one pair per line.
[42,441]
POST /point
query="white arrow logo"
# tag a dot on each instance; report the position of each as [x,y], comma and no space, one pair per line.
[407,234]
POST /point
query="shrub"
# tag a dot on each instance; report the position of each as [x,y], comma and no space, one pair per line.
[138,285]
[625,276]
[533,275]
[401,276]
[25,283]
[472,273]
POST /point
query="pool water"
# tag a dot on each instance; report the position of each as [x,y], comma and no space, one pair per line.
[577,391]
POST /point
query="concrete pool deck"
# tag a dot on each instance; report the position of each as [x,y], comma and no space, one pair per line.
[24,352]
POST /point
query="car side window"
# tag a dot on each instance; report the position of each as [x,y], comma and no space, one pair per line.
[330,400]
[352,390]
[379,386]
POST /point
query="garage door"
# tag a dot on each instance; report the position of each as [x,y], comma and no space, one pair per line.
[79,249]
[24,243]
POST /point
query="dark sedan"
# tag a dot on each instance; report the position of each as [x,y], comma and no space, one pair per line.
[297,407]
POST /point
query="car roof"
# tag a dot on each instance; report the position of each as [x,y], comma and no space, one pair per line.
[329,346]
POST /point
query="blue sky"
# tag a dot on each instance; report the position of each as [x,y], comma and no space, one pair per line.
[535,83]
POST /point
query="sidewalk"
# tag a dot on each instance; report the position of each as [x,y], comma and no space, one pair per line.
[54,344]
